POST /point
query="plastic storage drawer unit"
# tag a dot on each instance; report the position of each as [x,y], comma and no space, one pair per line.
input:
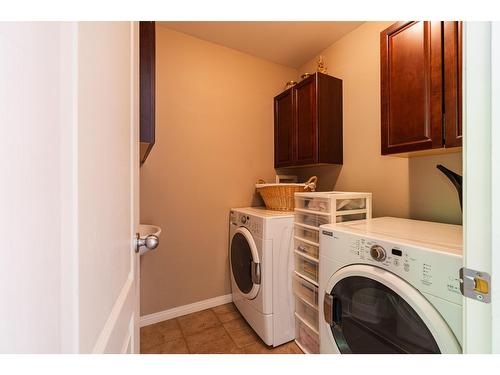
[307,313]
[313,209]
[312,203]
[306,338]
[305,290]
[350,204]
[351,217]
[307,234]
[311,219]
[307,249]
[306,268]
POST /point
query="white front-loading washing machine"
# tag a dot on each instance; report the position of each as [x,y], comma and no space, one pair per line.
[390,285]
[261,263]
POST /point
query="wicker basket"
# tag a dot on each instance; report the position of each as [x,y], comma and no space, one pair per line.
[280,197]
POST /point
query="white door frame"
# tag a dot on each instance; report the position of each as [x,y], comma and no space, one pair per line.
[481,179]
[495,184]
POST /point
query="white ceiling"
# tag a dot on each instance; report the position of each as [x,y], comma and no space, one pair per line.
[287,43]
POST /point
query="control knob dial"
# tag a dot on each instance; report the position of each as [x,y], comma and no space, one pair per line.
[378,253]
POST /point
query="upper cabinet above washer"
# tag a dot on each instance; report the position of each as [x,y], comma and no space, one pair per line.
[421,81]
[308,123]
[147,57]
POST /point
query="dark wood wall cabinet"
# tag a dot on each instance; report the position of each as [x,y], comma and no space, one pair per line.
[308,123]
[421,81]
[147,56]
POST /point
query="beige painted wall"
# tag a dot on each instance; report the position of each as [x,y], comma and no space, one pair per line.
[214,139]
[432,196]
[401,187]
[355,60]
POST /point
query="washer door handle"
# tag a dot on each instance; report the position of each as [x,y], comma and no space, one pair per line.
[337,310]
[256,273]
[328,308]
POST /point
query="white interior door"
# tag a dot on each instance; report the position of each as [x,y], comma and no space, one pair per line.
[107,107]
[481,180]
[69,194]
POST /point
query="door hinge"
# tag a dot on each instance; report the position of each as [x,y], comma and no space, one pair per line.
[475,285]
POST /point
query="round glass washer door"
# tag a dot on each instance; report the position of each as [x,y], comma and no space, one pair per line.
[245,263]
[368,310]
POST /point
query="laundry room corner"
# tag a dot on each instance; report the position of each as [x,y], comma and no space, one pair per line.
[214,142]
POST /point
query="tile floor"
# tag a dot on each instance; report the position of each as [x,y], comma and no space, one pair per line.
[220,330]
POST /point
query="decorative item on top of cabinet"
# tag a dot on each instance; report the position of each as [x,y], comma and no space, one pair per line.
[321,65]
[304,76]
[147,58]
[308,123]
[420,86]
[290,84]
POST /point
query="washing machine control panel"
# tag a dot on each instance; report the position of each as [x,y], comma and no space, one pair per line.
[252,223]
[371,251]
[433,272]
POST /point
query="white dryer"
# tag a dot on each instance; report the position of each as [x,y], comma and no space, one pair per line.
[390,285]
[261,263]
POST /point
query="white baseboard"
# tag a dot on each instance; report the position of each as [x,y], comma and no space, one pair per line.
[161,316]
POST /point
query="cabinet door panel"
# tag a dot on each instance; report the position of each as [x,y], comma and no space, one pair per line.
[329,103]
[147,56]
[306,118]
[411,87]
[452,36]
[283,129]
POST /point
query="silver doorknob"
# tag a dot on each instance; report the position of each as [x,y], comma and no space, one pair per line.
[151,242]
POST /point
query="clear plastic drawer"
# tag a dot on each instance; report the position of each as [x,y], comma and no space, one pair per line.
[342,218]
[307,249]
[313,204]
[350,204]
[311,219]
[307,234]
[306,337]
[307,313]
[306,268]
[305,290]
